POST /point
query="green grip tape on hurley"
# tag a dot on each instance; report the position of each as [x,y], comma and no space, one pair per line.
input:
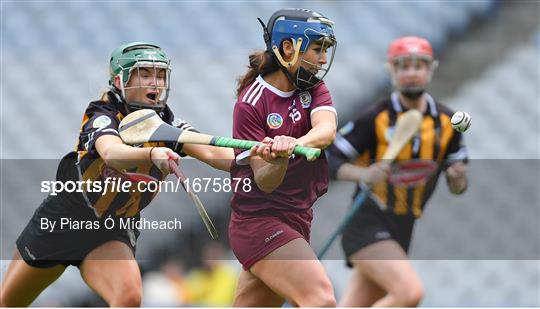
[308,152]
[233,143]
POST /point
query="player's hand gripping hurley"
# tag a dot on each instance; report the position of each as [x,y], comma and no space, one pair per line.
[406,126]
[200,208]
[144,126]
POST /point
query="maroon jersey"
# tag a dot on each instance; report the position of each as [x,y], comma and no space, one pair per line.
[263,110]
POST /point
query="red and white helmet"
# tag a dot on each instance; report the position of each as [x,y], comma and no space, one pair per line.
[410,46]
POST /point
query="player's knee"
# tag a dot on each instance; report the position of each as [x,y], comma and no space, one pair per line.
[322,299]
[327,299]
[240,297]
[415,296]
[320,295]
[411,296]
[3,302]
[130,297]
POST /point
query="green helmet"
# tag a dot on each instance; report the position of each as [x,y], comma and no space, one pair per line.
[135,55]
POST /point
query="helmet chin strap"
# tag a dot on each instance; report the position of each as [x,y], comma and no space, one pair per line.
[288,64]
[303,76]
[285,65]
[119,94]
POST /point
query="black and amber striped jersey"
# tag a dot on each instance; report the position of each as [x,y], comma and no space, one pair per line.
[84,164]
[365,140]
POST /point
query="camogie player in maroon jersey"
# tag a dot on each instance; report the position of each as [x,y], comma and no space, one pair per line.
[283,101]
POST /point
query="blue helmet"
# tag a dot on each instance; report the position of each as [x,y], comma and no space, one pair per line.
[303,27]
[298,23]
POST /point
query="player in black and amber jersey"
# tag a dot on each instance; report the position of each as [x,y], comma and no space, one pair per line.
[377,239]
[139,79]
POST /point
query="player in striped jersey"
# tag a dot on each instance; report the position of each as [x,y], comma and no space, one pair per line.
[376,241]
[282,98]
[139,79]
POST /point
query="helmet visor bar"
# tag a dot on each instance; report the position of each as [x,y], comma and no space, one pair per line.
[400,60]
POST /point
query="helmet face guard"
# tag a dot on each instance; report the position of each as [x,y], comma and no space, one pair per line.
[309,74]
[128,60]
[413,49]
[409,91]
[302,28]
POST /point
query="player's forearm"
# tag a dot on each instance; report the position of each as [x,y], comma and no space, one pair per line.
[351,172]
[118,155]
[122,156]
[456,177]
[222,159]
[216,157]
[320,136]
[221,164]
[269,176]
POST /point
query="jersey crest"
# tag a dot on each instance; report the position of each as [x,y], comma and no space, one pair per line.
[274,120]
[305,99]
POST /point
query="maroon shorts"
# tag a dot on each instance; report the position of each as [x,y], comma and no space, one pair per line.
[253,236]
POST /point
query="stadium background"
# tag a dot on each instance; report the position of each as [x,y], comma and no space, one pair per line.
[481,249]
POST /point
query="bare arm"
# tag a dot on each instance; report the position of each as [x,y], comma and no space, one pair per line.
[268,176]
[374,173]
[456,177]
[323,131]
[120,156]
[268,169]
[217,157]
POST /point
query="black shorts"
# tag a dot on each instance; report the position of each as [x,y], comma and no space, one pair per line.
[370,225]
[69,245]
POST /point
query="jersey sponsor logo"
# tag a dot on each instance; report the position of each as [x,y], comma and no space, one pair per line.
[382,235]
[101,121]
[274,120]
[305,99]
[274,235]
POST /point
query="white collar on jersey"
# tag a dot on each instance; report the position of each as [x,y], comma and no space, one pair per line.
[280,93]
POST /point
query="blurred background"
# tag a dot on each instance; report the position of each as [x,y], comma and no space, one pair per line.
[480,249]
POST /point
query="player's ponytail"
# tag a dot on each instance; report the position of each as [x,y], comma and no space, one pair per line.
[260,63]
[104,95]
